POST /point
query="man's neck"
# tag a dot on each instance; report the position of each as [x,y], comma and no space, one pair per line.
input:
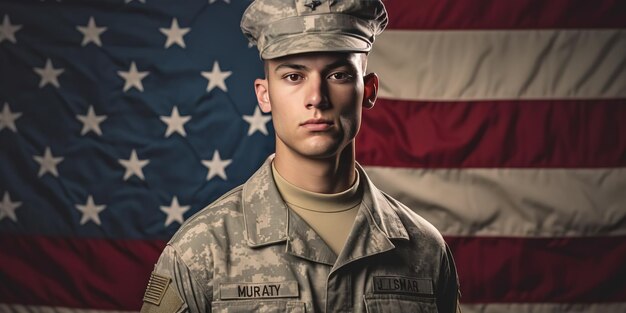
[326,175]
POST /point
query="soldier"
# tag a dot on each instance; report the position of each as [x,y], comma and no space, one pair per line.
[308,232]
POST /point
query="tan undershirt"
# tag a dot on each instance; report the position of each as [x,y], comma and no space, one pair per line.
[330,215]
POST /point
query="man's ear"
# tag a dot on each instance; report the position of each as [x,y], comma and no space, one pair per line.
[370,90]
[262,95]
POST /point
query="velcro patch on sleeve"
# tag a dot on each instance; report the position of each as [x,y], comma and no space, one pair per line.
[156,288]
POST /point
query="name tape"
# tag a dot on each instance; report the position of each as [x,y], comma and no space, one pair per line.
[403,285]
[288,289]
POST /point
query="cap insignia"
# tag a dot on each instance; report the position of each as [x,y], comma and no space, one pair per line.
[313,4]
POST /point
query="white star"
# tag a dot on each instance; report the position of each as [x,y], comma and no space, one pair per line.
[174,212]
[7,118]
[49,75]
[133,77]
[90,211]
[213,1]
[174,34]
[216,77]
[91,32]
[175,123]
[7,31]
[257,121]
[7,207]
[48,163]
[91,121]
[216,166]
[134,166]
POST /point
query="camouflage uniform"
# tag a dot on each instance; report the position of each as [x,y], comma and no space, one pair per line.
[247,252]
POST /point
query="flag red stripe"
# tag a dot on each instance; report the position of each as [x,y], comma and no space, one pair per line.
[90,273]
[497,14]
[541,270]
[519,134]
[80,273]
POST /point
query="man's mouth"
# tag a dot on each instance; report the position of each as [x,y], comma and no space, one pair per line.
[317,124]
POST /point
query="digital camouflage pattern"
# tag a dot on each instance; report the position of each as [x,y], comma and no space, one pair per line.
[284,27]
[247,252]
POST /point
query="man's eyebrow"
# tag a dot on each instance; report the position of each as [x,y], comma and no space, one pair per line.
[340,63]
[292,66]
[334,65]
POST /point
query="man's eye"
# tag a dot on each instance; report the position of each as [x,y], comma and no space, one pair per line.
[340,76]
[293,77]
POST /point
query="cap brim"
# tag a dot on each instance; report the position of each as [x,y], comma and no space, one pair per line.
[315,42]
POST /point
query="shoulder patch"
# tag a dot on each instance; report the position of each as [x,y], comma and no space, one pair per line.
[157,285]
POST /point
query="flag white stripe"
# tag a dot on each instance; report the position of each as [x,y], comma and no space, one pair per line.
[512,202]
[543,307]
[494,65]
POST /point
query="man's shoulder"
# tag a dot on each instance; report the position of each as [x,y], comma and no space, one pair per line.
[223,218]
[212,217]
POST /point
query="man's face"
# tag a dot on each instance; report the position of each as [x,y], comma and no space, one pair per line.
[316,101]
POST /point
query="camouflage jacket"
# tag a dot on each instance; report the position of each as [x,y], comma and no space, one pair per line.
[247,252]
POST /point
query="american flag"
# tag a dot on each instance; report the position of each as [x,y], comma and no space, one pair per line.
[506,120]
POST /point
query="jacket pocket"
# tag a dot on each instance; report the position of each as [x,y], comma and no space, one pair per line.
[398,303]
[266,306]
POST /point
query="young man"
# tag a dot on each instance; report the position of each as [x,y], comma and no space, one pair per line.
[308,232]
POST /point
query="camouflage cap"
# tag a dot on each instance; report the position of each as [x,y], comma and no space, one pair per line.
[284,27]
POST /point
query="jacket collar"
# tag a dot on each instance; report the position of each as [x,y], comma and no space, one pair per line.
[266,215]
[264,211]
[382,209]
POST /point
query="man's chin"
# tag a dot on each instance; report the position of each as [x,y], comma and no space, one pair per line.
[322,151]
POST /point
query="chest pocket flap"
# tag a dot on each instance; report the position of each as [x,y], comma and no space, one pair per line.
[267,306]
[399,303]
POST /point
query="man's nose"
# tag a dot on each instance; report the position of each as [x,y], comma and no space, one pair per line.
[317,96]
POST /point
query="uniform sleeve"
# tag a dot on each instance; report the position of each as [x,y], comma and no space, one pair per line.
[173,288]
[448,287]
